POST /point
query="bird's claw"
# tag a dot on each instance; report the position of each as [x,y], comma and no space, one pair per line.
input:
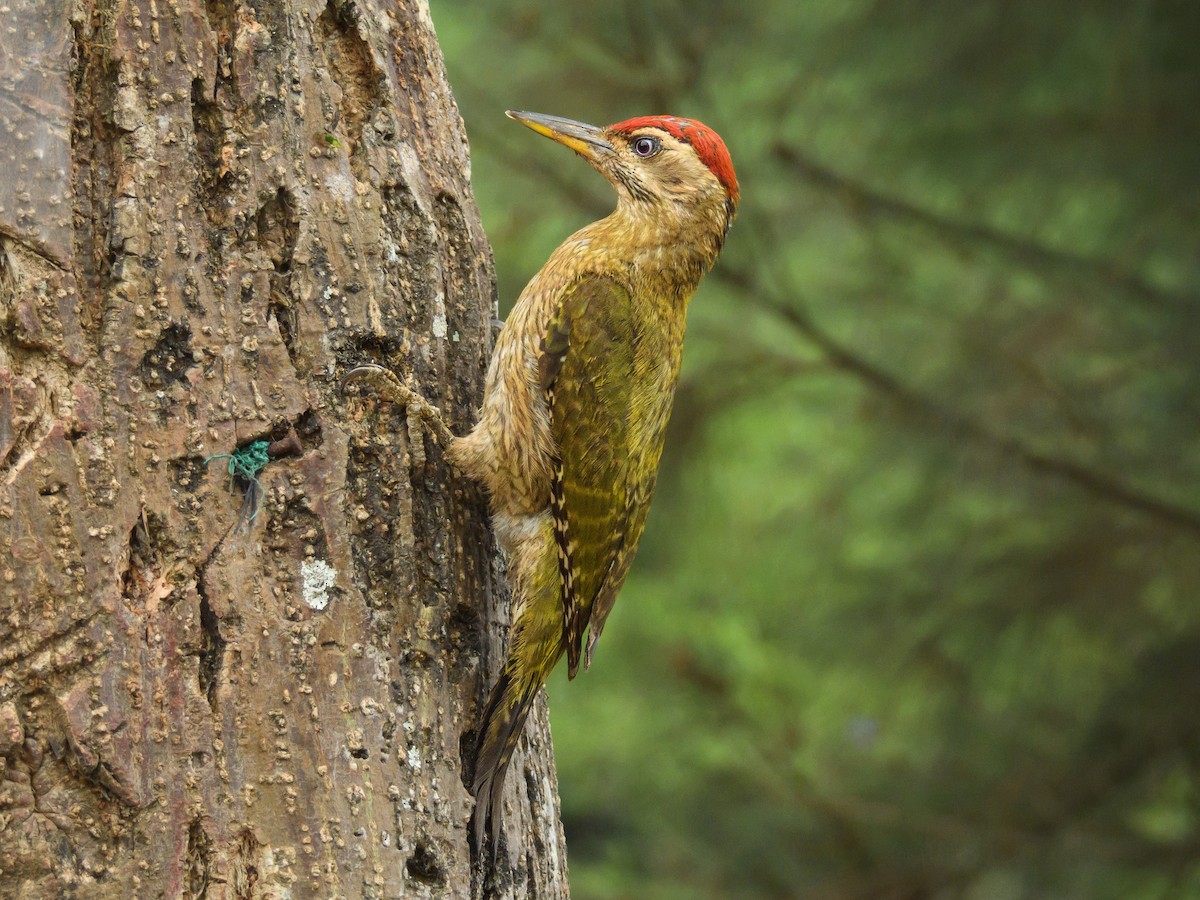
[393,387]
[390,387]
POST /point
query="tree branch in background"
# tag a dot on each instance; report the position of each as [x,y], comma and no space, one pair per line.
[952,422]
[1029,253]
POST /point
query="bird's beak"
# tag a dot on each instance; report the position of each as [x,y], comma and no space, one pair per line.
[583,139]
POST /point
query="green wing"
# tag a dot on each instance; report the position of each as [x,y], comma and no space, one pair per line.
[587,369]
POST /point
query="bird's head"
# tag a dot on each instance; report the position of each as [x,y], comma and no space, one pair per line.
[661,166]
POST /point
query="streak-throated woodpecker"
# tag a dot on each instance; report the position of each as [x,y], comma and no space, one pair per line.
[576,402]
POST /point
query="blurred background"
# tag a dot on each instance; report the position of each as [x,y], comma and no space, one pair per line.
[915,615]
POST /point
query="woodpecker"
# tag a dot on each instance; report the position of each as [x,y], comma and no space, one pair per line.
[576,402]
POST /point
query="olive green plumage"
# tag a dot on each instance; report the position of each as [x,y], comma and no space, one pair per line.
[577,401]
[600,359]
[608,367]
[576,404]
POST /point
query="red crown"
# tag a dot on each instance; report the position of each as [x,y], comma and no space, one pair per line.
[706,142]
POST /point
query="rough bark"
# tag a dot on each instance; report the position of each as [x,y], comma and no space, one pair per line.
[210,209]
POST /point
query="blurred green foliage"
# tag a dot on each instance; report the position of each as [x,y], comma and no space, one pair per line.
[916,611]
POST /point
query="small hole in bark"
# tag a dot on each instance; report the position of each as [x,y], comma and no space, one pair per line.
[308,427]
[170,358]
[213,653]
[285,320]
[424,867]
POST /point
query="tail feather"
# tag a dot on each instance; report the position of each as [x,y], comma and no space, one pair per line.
[499,730]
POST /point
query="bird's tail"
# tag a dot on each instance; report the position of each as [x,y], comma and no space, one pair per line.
[535,645]
[499,731]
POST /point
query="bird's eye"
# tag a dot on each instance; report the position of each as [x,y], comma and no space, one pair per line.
[646,146]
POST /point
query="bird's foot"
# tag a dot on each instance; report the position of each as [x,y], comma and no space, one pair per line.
[389,387]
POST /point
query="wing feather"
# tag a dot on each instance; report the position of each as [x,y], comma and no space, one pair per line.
[587,368]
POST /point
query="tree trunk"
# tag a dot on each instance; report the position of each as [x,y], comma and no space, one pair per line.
[259,686]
